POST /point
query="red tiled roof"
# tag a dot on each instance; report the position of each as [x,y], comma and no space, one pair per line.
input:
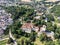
[27,25]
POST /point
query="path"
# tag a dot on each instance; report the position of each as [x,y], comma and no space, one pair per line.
[10,34]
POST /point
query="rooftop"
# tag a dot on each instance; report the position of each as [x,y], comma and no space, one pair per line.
[27,25]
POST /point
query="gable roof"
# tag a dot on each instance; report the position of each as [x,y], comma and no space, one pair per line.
[27,25]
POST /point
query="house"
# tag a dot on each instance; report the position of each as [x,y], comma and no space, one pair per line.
[39,13]
[36,28]
[49,34]
[37,17]
[27,27]
[41,29]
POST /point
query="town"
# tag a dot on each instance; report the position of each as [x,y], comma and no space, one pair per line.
[29,22]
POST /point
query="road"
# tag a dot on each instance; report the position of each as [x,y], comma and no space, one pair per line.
[10,34]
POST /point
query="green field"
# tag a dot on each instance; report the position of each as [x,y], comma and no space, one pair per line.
[3,42]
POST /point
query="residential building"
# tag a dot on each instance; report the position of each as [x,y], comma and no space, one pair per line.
[36,28]
[49,34]
[37,17]
[27,27]
[41,30]
[5,19]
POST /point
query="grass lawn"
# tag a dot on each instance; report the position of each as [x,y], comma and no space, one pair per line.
[37,42]
[3,42]
[19,40]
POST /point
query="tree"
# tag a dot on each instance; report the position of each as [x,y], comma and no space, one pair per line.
[43,0]
[50,18]
[57,33]
[49,26]
[33,36]
[28,42]
[17,12]
[22,42]
[58,42]
[56,10]
[42,37]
